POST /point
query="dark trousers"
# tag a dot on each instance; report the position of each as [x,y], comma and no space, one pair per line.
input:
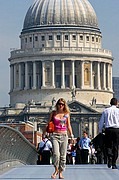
[78,157]
[105,155]
[84,156]
[45,157]
[112,142]
[99,157]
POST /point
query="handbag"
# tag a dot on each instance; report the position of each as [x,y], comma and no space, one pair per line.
[51,127]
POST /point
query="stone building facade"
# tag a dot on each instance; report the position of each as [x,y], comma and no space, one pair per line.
[61,55]
[61,50]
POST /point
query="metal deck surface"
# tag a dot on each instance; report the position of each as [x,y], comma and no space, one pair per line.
[72,172]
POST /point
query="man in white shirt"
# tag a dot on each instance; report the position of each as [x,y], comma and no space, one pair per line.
[110,120]
[46,152]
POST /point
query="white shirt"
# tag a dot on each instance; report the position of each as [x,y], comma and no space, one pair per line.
[109,118]
[48,145]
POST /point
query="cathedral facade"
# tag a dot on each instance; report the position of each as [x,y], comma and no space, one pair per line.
[61,55]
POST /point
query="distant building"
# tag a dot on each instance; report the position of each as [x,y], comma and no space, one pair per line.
[116,87]
[61,55]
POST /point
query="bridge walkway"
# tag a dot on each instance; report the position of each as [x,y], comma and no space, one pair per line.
[72,172]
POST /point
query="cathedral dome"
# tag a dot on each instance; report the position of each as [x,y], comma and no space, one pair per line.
[60,13]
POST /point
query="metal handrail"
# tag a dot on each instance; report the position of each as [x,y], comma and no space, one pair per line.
[14,147]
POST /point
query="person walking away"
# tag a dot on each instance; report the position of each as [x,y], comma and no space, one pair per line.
[46,152]
[78,152]
[84,145]
[59,137]
[99,144]
[69,152]
[110,120]
[73,152]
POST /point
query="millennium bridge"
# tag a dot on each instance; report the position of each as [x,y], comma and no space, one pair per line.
[18,161]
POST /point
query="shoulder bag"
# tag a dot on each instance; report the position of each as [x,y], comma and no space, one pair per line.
[50,127]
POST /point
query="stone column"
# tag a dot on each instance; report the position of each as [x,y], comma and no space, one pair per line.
[95,128]
[111,77]
[62,40]
[11,78]
[26,75]
[63,76]
[70,40]
[20,76]
[104,76]
[14,76]
[53,75]
[108,77]
[78,40]
[82,74]
[34,75]
[90,127]
[73,74]
[98,76]
[43,74]
[91,76]
[81,128]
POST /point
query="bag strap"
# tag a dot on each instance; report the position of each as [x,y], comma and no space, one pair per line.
[53,114]
[45,144]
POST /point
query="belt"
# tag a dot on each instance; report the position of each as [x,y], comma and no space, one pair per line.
[60,134]
[111,128]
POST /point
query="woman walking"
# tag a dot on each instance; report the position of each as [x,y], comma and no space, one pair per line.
[59,138]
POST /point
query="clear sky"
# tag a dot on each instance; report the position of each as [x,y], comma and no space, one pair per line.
[12,13]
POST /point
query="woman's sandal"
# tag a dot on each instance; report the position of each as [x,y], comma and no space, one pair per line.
[60,176]
[54,175]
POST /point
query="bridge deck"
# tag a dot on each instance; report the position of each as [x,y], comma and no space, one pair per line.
[72,172]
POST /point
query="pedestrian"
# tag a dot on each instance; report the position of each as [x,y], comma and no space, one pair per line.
[99,144]
[45,149]
[78,152]
[110,120]
[61,119]
[84,145]
[73,153]
[69,152]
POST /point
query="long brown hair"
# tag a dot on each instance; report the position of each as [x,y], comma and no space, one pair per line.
[66,108]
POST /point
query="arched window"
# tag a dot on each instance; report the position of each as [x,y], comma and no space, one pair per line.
[87,74]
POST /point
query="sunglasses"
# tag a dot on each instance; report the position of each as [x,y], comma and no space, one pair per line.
[60,104]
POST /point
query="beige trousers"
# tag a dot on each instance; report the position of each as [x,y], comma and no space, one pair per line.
[59,142]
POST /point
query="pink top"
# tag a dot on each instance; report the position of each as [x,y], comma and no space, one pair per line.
[61,124]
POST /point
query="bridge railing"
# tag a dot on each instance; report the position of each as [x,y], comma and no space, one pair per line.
[15,148]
